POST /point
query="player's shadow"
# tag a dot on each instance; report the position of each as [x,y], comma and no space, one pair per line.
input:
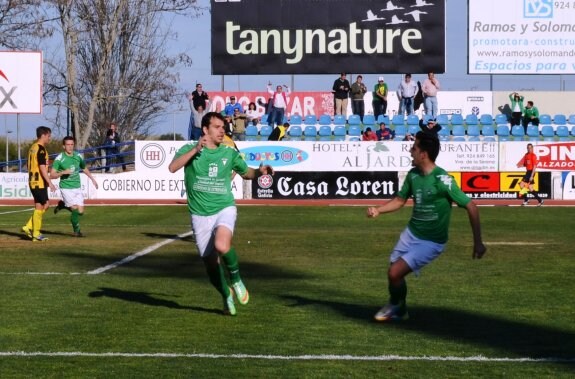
[518,338]
[145,298]
[22,236]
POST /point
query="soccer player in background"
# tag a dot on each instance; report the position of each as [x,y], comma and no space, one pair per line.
[433,190]
[67,167]
[39,182]
[529,161]
[208,167]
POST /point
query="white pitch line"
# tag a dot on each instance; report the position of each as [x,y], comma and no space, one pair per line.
[139,254]
[329,357]
[18,211]
[518,243]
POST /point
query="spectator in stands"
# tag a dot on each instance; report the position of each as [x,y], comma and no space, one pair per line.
[197,98]
[432,126]
[358,90]
[430,87]
[228,125]
[111,142]
[368,135]
[231,106]
[516,108]
[409,137]
[278,104]
[530,115]
[197,115]
[252,113]
[240,121]
[384,133]
[379,98]
[406,92]
[279,132]
[340,91]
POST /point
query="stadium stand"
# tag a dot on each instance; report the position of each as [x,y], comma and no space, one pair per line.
[571,119]
[354,133]
[501,119]
[412,120]
[456,119]
[503,132]
[486,119]
[339,119]
[458,132]
[339,133]
[442,119]
[265,131]
[324,119]
[488,133]
[295,119]
[310,120]
[471,119]
[559,119]
[354,119]
[533,132]
[295,131]
[400,132]
[383,118]
[562,132]
[368,120]
[473,133]
[518,132]
[397,120]
[545,119]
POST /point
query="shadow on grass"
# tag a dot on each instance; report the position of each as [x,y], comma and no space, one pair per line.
[145,298]
[512,337]
[189,238]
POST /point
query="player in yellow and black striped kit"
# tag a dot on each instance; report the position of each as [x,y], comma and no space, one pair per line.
[39,182]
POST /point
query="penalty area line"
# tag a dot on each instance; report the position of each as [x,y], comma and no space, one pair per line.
[327,357]
[139,254]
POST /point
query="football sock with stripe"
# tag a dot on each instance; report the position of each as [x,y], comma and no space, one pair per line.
[231,260]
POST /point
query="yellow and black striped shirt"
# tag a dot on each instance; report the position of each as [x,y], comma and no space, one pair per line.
[37,156]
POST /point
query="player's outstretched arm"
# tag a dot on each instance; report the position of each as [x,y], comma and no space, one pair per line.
[391,206]
[479,248]
[183,159]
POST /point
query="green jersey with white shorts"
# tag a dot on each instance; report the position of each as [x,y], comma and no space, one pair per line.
[75,163]
[432,196]
[208,178]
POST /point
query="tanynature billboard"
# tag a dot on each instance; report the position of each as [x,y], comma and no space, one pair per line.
[327,36]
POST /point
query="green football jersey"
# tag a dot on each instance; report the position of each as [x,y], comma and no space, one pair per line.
[432,197]
[75,163]
[208,178]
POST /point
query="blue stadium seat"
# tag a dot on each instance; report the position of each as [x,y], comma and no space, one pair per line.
[368,120]
[503,132]
[354,130]
[570,120]
[518,132]
[325,119]
[251,131]
[471,119]
[264,118]
[397,120]
[354,119]
[445,133]
[547,132]
[456,119]
[573,131]
[559,119]
[458,132]
[533,132]
[295,131]
[442,119]
[400,131]
[324,131]
[562,132]
[473,133]
[310,131]
[488,133]
[486,119]
[383,118]
[339,119]
[295,119]
[426,118]
[413,129]
[501,119]
[545,119]
[310,120]
[339,132]
[412,119]
[266,130]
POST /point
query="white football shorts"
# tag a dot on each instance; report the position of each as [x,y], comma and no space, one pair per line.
[72,196]
[414,251]
[205,227]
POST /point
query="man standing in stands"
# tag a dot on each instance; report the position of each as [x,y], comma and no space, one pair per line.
[358,90]
[430,87]
[197,99]
[340,91]
[406,92]
[379,98]
[112,150]
[278,104]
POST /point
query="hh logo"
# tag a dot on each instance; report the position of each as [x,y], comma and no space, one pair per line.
[538,8]
[6,94]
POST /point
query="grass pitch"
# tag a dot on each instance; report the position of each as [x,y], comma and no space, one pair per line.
[316,276]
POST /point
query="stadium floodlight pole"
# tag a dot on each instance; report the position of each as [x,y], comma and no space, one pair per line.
[18,142]
[7,142]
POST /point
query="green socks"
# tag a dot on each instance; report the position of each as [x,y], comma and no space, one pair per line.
[231,260]
[75,220]
[218,279]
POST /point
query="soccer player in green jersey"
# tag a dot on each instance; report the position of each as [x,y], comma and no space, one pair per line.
[433,190]
[67,166]
[208,167]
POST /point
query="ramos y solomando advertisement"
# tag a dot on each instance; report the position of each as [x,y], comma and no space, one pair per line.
[327,36]
[521,37]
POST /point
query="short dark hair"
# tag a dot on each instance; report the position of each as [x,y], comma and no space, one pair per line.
[286,124]
[68,138]
[41,130]
[382,123]
[408,75]
[208,118]
[428,142]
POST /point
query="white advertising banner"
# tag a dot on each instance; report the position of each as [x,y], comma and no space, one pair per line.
[20,82]
[15,186]
[153,157]
[521,37]
[552,156]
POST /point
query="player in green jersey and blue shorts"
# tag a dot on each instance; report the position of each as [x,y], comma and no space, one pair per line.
[433,191]
[67,166]
[208,168]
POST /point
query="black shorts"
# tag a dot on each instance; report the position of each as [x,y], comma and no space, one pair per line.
[527,177]
[40,195]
